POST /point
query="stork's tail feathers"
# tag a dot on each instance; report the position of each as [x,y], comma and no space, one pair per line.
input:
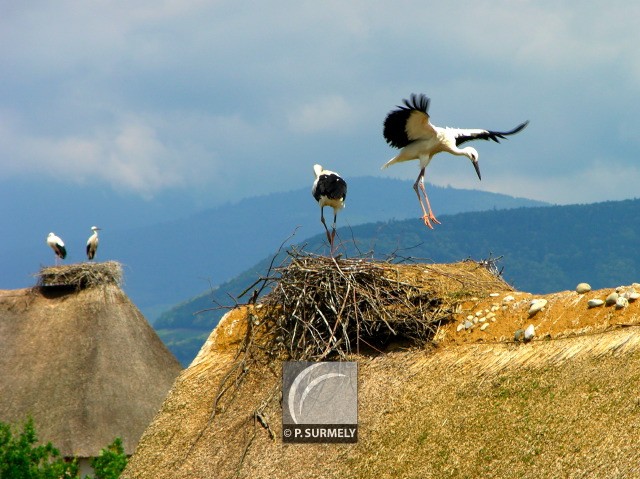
[393,160]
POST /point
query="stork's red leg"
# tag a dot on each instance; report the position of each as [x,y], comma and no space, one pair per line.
[329,239]
[419,186]
[331,242]
[333,230]
[431,215]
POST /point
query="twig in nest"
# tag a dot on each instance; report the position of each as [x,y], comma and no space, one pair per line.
[80,275]
[325,305]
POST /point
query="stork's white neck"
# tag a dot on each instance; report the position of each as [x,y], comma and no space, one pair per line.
[469,151]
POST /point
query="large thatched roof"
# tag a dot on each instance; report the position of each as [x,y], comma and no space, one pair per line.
[84,363]
[477,405]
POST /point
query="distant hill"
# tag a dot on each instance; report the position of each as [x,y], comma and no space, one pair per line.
[543,249]
[172,248]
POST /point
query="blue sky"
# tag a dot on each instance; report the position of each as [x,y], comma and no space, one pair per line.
[228,99]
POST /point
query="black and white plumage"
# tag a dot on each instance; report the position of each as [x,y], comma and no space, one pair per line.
[57,245]
[408,128]
[329,189]
[92,243]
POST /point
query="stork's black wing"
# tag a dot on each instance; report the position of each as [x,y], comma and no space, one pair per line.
[468,135]
[330,186]
[395,125]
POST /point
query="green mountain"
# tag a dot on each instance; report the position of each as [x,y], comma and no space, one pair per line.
[543,249]
[170,261]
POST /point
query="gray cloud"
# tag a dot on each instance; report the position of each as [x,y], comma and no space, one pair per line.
[147,96]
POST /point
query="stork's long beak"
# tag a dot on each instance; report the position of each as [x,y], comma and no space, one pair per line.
[476,165]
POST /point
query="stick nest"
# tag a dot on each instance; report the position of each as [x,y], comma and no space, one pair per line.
[325,307]
[80,275]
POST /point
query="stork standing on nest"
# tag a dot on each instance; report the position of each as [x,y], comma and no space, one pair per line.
[92,243]
[408,128]
[329,189]
[57,245]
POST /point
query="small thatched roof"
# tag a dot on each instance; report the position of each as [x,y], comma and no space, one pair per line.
[477,405]
[85,364]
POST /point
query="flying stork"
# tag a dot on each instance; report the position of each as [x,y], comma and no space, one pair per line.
[57,245]
[329,189]
[408,128]
[92,243]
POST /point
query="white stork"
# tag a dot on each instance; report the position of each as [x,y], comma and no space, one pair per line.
[408,127]
[92,243]
[57,245]
[329,189]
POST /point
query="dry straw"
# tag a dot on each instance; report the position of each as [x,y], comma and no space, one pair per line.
[80,275]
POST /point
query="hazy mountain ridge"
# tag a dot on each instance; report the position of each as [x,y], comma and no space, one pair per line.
[217,244]
[543,249]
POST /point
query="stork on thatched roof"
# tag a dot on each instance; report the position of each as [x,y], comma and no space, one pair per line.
[83,362]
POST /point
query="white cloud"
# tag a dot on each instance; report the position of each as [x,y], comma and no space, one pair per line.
[326,113]
[130,156]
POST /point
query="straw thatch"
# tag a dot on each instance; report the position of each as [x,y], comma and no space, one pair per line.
[80,275]
[84,364]
[565,407]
